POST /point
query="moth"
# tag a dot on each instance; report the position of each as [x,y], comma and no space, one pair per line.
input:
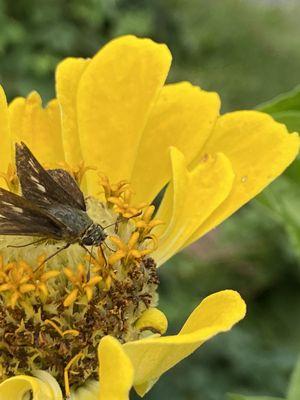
[51,206]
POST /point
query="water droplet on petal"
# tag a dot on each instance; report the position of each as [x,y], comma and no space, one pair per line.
[244,179]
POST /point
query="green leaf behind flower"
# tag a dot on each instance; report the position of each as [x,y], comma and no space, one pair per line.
[232,396]
[294,386]
[285,108]
[282,198]
[293,389]
[284,102]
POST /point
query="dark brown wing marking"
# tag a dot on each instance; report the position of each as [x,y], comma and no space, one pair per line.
[19,216]
[68,183]
[38,185]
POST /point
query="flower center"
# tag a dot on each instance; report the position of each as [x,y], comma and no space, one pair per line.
[53,314]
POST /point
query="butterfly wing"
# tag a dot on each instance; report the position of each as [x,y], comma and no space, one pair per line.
[64,179]
[40,187]
[19,216]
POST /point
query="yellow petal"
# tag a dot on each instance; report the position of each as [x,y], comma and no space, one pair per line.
[38,127]
[5,140]
[153,320]
[44,387]
[116,93]
[51,381]
[190,198]
[116,372]
[68,74]
[153,356]
[183,117]
[259,149]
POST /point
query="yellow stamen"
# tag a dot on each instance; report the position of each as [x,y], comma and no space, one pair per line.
[80,283]
[14,298]
[114,258]
[27,288]
[145,224]
[57,328]
[113,190]
[73,332]
[69,300]
[121,205]
[133,240]
[66,373]
[102,267]
[128,251]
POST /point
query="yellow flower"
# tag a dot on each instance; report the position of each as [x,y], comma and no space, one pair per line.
[114,112]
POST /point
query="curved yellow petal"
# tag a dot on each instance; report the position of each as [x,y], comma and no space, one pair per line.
[259,149]
[153,356]
[38,127]
[116,372]
[44,387]
[154,320]
[5,140]
[115,96]
[190,198]
[183,117]
[68,74]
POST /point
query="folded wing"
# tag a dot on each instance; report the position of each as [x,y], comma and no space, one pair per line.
[43,188]
[19,216]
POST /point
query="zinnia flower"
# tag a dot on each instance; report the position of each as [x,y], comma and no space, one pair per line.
[125,137]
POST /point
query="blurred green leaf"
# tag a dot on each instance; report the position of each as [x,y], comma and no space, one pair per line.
[290,118]
[232,396]
[282,202]
[285,108]
[285,102]
[293,390]
[282,198]
[294,386]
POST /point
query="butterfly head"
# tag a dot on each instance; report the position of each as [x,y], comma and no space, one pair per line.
[94,235]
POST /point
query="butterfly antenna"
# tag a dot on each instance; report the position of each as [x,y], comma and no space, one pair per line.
[121,219]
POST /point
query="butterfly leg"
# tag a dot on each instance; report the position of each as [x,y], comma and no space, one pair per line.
[88,251]
[53,255]
[92,255]
[27,244]
[89,267]
[103,255]
[109,248]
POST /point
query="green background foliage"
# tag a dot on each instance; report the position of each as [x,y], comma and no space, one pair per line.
[248,51]
[244,50]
